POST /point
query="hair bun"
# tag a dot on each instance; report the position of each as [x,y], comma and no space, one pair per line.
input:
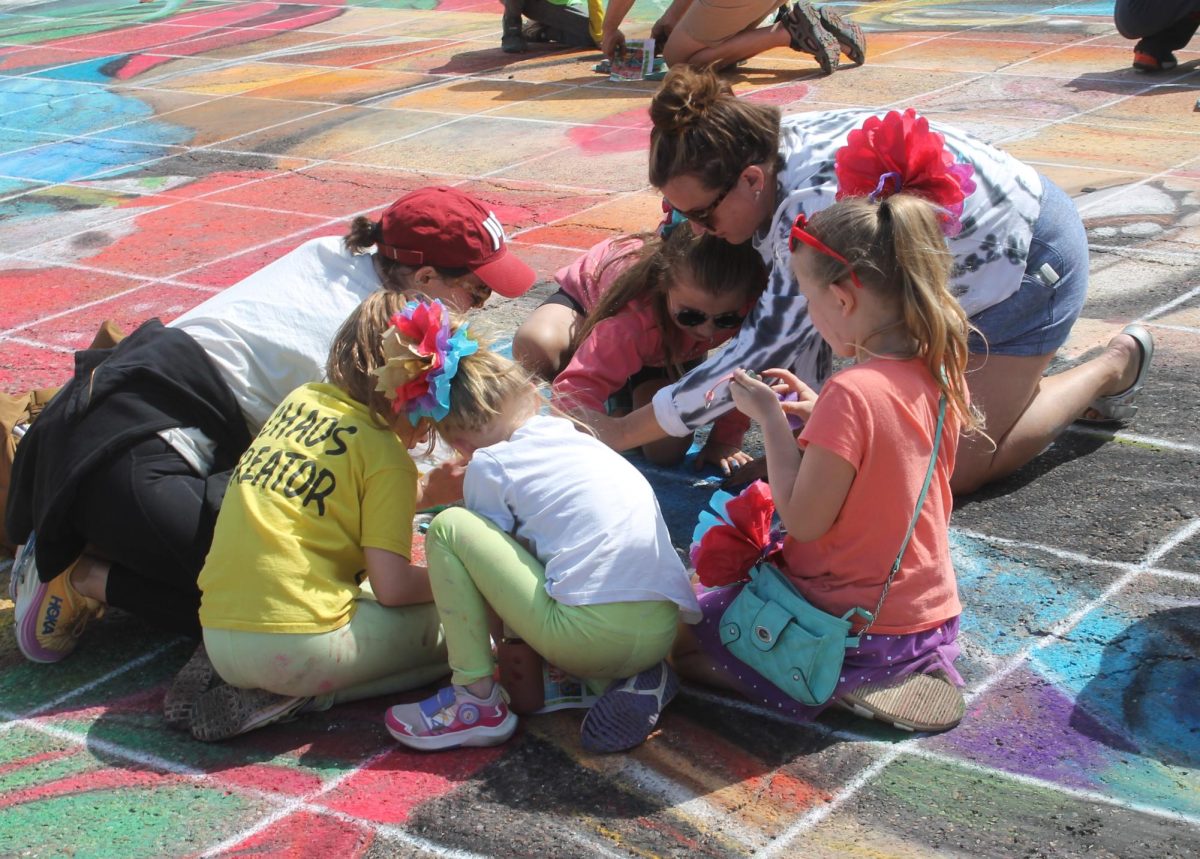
[685,98]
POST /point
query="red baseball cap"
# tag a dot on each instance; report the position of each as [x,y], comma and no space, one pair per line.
[444,227]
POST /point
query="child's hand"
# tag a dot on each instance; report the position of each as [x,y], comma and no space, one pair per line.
[442,485]
[729,458]
[801,407]
[660,32]
[753,397]
[613,43]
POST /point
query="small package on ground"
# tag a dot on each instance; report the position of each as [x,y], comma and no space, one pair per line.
[634,61]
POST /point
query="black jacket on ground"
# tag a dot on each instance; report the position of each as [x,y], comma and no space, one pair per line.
[155,379]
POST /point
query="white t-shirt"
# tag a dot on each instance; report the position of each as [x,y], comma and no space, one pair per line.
[584,511]
[271,332]
[989,259]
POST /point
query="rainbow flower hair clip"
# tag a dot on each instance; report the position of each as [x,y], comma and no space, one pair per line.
[422,359]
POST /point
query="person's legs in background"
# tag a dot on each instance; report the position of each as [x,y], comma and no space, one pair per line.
[151,517]
[147,521]
[722,36]
[566,23]
[1161,26]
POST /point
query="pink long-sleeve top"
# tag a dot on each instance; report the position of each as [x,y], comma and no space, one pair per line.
[620,346]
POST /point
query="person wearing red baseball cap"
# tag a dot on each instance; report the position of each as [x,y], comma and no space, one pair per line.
[122,474]
[453,234]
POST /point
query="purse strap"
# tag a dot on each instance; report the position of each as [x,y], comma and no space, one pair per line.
[912,525]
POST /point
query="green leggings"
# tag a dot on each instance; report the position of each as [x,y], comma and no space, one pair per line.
[473,564]
[381,650]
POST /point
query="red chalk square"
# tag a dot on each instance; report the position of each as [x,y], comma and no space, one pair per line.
[133,39]
[227,272]
[521,206]
[335,191]
[305,834]
[389,790]
[175,239]
[45,57]
[75,330]
[23,366]
[567,235]
[31,294]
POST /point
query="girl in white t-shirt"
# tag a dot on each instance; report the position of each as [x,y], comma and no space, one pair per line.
[564,540]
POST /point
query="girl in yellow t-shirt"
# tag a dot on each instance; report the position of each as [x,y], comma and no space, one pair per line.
[321,501]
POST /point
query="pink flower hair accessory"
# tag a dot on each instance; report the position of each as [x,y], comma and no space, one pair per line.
[422,359]
[900,152]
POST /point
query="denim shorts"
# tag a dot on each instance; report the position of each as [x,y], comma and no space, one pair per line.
[1038,317]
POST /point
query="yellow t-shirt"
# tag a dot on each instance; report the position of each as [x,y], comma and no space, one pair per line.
[319,483]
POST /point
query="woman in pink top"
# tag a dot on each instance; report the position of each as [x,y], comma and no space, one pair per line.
[631,315]
[876,276]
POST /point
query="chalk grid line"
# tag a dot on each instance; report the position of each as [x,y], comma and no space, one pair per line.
[862,780]
[680,799]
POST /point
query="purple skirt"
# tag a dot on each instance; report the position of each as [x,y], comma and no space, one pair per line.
[877,658]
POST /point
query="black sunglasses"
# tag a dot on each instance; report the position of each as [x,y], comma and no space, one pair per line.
[689,318]
[703,217]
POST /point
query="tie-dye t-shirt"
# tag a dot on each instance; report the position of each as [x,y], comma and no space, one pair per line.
[989,258]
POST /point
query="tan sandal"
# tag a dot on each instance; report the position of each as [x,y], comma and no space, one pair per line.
[918,702]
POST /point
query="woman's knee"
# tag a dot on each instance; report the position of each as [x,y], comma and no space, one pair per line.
[531,351]
[679,49]
[542,342]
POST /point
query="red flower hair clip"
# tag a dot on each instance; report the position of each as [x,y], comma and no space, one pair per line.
[900,153]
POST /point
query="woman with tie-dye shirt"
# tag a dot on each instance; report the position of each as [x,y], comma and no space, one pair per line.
[733,167]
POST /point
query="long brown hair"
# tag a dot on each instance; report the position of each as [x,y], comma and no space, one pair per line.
[897,250]
[714,266]
[702,129]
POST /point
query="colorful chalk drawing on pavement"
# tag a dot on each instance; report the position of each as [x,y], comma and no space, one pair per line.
[153,153]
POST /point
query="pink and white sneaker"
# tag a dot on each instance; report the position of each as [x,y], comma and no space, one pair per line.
[451,719]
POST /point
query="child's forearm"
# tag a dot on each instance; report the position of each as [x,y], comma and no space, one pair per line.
[395,581]
[783,458]
[614,13]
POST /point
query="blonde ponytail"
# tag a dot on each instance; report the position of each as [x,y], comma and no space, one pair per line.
[897,250]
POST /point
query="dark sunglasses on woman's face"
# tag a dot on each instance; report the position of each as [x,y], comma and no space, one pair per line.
[689,318]
[704,216]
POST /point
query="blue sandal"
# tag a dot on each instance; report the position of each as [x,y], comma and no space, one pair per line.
[1119,408]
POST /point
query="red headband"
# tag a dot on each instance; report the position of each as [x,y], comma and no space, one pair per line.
[800,233]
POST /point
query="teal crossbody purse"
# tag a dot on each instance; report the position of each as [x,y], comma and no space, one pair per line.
[789,641]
